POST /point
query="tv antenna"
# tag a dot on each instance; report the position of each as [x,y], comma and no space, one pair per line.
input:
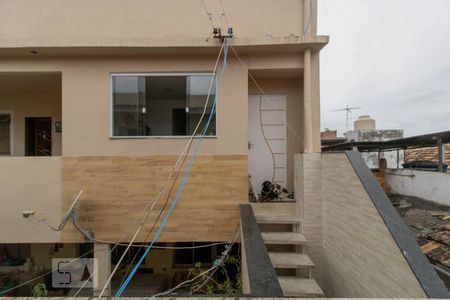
[348,110]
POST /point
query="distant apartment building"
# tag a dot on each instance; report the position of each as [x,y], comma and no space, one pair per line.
[365,131]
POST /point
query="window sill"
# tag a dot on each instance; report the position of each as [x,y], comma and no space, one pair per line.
[180,137]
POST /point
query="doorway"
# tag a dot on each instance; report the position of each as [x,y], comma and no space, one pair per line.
[6,133]
[267,140]
[38,136]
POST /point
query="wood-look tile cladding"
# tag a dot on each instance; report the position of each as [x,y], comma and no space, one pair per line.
[118,188]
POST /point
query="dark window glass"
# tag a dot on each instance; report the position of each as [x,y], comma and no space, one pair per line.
[184,256]
[191,256]
[5,134]
[161,105]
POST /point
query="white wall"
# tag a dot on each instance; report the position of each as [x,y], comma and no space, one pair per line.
[371,158]
[432,186]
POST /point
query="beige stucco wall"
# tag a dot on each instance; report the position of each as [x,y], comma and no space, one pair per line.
[86,112]
[29,183]
[65,22]
[292,88]
[86,96]
[32,105]
[361,257]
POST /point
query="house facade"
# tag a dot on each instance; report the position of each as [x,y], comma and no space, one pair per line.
[103,97]
[66,70]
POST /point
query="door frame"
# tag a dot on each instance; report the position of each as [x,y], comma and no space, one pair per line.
[285,128]
[51,133]
[11,131]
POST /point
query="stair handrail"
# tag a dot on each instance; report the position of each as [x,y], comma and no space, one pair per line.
[259,273]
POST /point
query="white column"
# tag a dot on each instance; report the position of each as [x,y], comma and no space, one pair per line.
[307,106]
[103,256]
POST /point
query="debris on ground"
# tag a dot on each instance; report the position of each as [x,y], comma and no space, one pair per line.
[430,223]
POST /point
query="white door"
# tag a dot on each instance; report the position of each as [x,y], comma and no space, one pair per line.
[267,140]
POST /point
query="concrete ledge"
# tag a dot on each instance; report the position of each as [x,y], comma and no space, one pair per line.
[156,46]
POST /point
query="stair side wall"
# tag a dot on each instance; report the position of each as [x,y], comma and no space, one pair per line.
[308,194]
[361,256]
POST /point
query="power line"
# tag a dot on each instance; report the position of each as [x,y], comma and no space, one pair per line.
[184,153]
[224,14]
[183,183]
[215,266]
[264,94]
[208,14]
[45,274]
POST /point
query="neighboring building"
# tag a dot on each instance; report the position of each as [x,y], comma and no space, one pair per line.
[365,131]
[329,137]
[427,153]
[103,96]
[328,134]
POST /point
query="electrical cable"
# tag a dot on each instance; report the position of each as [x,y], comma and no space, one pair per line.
[161,191]
[87,236]
[215,266]
[184,150]
[260,113]
[208,14]
[45,274]
[183,183]
[264,94]
[184,153]
[224,14]
[308,22]
[179,190]
[105,259]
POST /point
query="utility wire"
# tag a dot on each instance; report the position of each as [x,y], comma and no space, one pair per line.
[183,183]
[208,14]
[215,266]
[263,93]
[224,14]
[308,22]
[260,115]
[45,274]
[184,153]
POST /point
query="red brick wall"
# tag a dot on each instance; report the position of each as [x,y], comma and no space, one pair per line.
[331,134]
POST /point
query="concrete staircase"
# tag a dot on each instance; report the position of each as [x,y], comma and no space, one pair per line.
[285,243]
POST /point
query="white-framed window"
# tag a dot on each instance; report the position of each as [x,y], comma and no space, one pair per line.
[6,132]
[160,104]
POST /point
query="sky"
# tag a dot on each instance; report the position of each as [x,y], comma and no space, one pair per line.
[389,57]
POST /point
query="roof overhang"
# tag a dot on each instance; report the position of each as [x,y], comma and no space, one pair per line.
[157,46]
[419,141]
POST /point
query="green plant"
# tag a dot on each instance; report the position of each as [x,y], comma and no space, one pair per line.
[207,284]
[39,290]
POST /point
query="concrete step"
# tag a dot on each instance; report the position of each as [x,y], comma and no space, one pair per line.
[283,238]
[277,219]
[299,287]
[290,260]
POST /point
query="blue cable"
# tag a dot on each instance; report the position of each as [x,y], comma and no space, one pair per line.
[183,183]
